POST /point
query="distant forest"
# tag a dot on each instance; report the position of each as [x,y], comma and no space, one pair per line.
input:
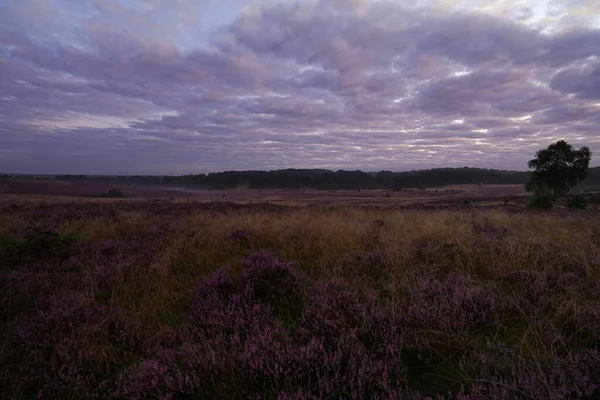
[329,180]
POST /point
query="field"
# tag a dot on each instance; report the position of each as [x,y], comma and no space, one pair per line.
[444,195]
[332,295]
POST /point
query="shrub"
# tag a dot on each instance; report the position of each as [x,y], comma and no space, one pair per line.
[541,199]
[12,250]
[577,202]
[38,243]
[115,193]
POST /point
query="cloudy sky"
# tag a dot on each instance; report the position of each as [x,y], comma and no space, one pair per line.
[190,86]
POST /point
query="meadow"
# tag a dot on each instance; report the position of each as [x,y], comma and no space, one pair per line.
[179,299]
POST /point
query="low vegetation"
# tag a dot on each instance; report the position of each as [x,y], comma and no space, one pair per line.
[160,299]
[115,193]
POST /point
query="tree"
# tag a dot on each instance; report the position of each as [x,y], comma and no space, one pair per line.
[558,169]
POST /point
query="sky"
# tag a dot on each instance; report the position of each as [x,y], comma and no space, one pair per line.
[198,86]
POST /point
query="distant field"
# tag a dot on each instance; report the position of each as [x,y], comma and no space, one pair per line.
[450,194]
[113,299]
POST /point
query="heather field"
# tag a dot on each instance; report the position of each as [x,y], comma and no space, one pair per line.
[141,299]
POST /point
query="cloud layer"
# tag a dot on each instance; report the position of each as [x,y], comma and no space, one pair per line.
[115,86]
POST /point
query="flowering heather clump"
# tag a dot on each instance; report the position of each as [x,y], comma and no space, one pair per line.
[503,373]
[271,281]
[356,343]
[264,282]
[334,309]
[266,285]
[243,237]
[337,345]
[451,305]
[59,346]
[180,364]
[217,286]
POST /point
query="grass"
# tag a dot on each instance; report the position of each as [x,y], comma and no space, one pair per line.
[127,299]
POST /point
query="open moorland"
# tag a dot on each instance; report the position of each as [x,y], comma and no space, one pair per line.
[486,194]
[137,299]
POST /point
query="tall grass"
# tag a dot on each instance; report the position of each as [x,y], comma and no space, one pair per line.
[156,299]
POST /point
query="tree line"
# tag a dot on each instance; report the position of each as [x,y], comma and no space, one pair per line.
[328,180]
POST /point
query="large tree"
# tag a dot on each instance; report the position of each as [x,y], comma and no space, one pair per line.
[558,169]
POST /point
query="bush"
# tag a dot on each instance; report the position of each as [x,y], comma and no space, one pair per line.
[37,243]
[12,250]
[115,193]
[541,199]
[577,202]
